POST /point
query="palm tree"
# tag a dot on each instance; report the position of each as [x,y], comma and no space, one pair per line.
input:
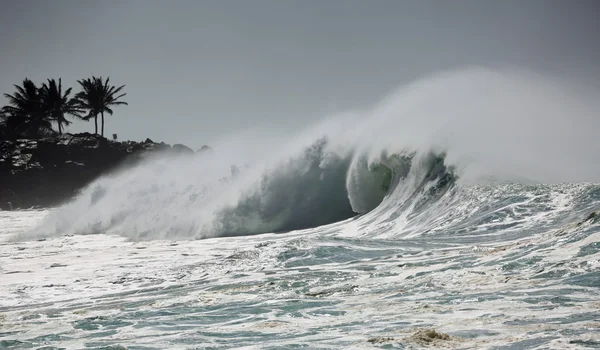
[98,97]
[89,99]
[24,114]
[56,104]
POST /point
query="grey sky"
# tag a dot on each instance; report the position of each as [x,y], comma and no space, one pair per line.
[196,70]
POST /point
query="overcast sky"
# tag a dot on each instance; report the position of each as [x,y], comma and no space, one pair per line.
[196,70]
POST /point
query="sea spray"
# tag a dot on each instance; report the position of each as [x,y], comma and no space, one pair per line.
[506,125]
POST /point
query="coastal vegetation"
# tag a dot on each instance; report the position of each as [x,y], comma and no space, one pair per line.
[35,112]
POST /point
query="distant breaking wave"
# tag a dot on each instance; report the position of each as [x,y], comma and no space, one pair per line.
[393,163]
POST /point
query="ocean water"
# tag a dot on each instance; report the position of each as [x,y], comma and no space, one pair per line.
[476,216]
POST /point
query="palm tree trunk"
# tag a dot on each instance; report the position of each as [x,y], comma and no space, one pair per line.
[96,124]
[102,124]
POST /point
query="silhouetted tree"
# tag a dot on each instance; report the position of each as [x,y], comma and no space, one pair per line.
[24,114]
[56,104]
[3,129]
[98,97]
[89,99]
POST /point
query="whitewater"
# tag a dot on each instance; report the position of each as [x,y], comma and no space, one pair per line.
[466,202]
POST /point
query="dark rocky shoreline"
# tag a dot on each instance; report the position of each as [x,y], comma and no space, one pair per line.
[47,172]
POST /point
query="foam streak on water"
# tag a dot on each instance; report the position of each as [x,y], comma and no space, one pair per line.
[522,273]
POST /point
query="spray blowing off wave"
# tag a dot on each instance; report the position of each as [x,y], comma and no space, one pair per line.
[398,158]
[313,189]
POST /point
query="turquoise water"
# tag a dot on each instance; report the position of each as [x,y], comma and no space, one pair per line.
[508,267]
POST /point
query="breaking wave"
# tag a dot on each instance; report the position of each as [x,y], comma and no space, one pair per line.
[412,152]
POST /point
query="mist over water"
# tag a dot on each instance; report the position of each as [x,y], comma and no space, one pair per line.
[476,124]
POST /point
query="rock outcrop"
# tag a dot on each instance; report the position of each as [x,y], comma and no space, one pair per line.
[47,172]
[183,148]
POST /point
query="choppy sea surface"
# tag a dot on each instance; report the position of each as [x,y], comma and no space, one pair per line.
[504,267]
[463,212]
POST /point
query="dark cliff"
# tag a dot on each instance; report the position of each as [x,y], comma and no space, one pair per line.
[47,172]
